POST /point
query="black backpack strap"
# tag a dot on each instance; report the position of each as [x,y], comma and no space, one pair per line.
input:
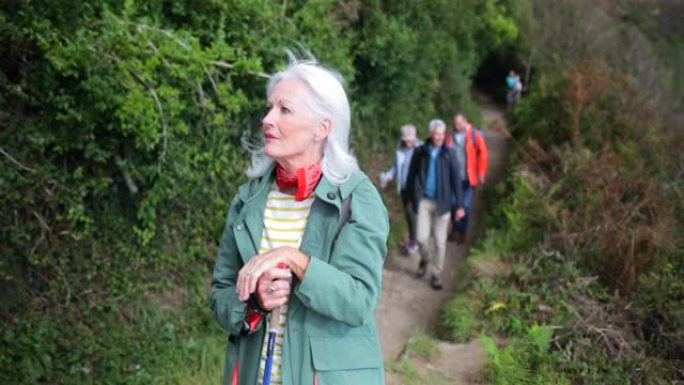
[477,152]
[344,213]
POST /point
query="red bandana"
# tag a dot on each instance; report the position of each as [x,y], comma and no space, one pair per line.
[303,180]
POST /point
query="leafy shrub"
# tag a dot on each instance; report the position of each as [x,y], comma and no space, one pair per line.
[459,318]
[524,360]
[602,169]
[121,149]
[600,256]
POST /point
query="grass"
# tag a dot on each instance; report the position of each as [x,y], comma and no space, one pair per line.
[185,346]
[137,343]
[411,368]
[199,362]
[422,345]
[410,373]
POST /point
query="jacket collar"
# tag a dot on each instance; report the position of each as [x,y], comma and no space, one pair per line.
[250,191]
[255,194]
[335,194]
[427,145]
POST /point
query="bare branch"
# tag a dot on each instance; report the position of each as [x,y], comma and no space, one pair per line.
[164,32]
[149,87]
[282,12]
[130,183]
[223,64]
[16,162]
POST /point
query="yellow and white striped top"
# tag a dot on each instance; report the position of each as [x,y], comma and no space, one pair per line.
[284,223]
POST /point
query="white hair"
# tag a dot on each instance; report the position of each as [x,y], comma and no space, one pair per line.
[327,100]
[435,124]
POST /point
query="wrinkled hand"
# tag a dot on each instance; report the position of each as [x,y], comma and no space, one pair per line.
[459,214]
[250,273]
[273,288]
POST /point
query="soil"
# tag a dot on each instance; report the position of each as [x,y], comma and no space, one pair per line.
[409,303]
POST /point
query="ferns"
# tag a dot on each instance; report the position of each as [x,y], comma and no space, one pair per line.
[522,361]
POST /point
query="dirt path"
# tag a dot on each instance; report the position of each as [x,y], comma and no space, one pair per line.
[408,303]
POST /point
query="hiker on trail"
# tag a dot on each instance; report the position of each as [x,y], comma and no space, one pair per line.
[470,148]
[305,238]
[433,180]
[399,171]
[514,85]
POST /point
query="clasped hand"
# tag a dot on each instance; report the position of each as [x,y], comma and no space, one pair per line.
[261,275]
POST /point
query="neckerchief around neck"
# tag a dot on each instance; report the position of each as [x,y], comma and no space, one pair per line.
[304,180]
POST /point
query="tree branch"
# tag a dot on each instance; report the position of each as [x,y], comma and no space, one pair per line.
[223,64]
[16,162]
[130,183]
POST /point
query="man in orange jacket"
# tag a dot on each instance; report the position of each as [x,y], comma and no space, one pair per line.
[470,148]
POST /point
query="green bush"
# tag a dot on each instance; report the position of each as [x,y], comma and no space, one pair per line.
[587,238]
[459,321]
[120,151]
[523,361]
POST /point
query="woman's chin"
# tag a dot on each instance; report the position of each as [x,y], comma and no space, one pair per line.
[272,152]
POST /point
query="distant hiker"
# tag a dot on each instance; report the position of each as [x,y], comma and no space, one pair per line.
[399,171]
[432,182]
[471,151]
[304,244]
[514,85]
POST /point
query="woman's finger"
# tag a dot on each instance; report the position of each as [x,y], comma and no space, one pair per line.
[249,275]
[277,273]
[262,264]
[271,304]
[243,281]
[280,284]
[277,297]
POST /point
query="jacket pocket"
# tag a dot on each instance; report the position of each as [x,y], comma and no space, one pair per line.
[347,360]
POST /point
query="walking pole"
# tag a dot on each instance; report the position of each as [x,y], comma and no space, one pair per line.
[273,320]
[272,327]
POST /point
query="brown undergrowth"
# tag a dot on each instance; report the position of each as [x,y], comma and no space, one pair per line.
[589,224]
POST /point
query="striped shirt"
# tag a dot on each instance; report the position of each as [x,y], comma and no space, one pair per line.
[284,223]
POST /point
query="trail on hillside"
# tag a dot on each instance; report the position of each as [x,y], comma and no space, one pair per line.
[408,303]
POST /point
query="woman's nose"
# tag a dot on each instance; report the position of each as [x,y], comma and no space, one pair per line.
[268,119]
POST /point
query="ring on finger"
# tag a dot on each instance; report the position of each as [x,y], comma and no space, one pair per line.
[270,290]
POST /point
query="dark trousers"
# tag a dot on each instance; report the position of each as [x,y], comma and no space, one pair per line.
[462,225]
[410,215]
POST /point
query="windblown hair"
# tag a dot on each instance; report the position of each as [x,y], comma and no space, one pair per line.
[327,99]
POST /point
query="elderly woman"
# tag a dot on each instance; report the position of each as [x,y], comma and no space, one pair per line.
[303,246]
[402,159]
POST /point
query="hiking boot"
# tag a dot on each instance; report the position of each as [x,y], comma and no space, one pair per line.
[436,283]
[422,268]
[457,236]
[460,238]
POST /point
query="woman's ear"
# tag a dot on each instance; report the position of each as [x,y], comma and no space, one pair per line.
[323,130]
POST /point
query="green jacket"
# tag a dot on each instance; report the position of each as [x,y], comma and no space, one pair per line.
[330,328]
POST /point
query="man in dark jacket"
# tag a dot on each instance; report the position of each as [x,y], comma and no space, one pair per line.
[433,182]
